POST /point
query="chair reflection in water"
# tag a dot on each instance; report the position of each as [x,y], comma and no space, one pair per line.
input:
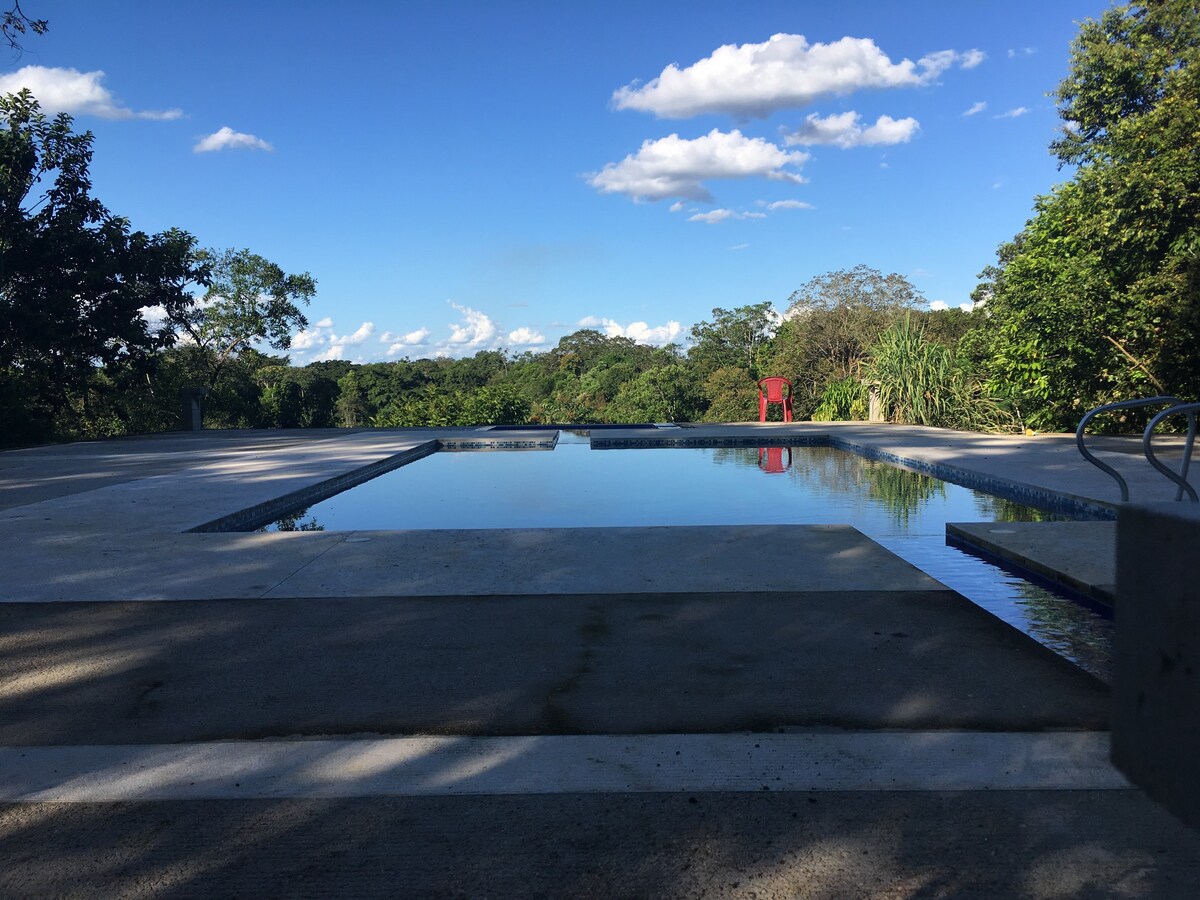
[774,460]
[771,390]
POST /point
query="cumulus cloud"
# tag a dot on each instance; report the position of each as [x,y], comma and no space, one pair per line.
[226,138]
[976,108]
[75,92]
[845,130]
[330,353]
[364,331]
[1014,113]
[676,167]
[309,338]
[786,71]
[525,337]
[637,331]
[677,206]
[405,342]
[720,215]
[476,330]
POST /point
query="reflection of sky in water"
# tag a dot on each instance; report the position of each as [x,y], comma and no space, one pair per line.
[574,486]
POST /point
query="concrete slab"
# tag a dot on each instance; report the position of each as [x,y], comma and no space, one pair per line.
[604,560]
[64,566]
[1080,556]
[115,673]
[446,766]
[977,844]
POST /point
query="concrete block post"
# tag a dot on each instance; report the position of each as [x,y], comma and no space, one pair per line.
[193,414]
[874,406]
[1156,654]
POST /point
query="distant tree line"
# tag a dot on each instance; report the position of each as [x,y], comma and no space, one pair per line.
[1097,299]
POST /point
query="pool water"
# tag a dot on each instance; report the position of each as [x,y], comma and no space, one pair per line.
[575,486]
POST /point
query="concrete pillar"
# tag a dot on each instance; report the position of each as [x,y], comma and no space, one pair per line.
[1156,654]
[874,406]
[193,414]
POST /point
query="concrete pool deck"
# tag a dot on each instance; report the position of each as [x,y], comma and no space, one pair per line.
[618,712]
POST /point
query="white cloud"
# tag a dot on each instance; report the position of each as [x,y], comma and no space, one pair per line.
[326,322]
[226,138]
[1013,113]
[404,342]
[720,215]
[739,246]
[675,167]
[789,204]
[637,331]
[677,206]
[475,331]
[365,330]
[75,92]
[976,108]
[939,305]
[755,80]
[844,130]
[525,337]
[971,58]
[330,353]
[309,338]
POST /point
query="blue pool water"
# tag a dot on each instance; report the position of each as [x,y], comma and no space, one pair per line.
[575,486]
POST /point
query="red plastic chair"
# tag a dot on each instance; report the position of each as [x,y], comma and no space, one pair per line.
[770,390]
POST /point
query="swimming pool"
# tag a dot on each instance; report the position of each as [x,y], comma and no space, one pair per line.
[575,486]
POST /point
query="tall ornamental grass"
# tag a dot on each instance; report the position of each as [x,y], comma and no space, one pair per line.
[921,382]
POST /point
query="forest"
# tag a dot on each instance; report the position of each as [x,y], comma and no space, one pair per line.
[1096,299]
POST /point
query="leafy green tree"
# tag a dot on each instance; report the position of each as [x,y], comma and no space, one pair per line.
[1099,297]
[734,337]
[730,395]
[249,300]
[73,277]
[663,394]
[829,326]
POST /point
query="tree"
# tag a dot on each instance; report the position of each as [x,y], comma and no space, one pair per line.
[249,300]
[735,337]
[830,324]
[1098,298]
[74,278]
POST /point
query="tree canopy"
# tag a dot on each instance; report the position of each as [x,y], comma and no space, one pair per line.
[73,276]
[1097,299]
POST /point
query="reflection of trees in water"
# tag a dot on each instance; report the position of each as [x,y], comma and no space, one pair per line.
[295,522]
[902,492]
[827,470]
[1067,627]
[998,509]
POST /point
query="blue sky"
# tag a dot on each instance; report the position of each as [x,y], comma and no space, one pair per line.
[461,176]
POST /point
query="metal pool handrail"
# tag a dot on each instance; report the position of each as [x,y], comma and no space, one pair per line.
[1109,407]
[1181,409]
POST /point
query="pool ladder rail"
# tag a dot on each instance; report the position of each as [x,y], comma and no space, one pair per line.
[1174,407]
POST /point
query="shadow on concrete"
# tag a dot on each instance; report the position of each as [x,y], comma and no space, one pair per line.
[121,672]
[824,845]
